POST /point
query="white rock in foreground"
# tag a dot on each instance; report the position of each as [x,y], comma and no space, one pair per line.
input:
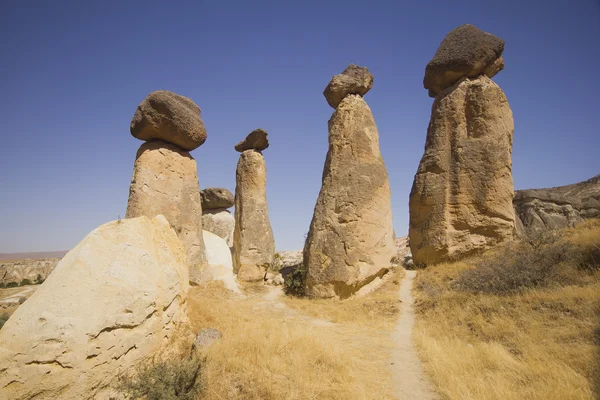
[219,260]
[117,299]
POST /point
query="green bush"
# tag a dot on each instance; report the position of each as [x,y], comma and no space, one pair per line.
[293,283]
[531,263]
[39,280]
[25,282]
[175,379]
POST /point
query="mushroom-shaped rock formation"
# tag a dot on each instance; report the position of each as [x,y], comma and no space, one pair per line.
[354,80]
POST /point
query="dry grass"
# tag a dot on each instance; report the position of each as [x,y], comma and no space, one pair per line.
[541,343]
[270,350]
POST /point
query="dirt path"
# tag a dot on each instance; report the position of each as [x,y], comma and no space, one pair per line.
[409,380]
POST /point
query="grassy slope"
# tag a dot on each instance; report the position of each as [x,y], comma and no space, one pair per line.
[539,344]
[276,349]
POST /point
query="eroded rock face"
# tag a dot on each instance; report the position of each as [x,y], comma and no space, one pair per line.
[169,117]
[465,52]
[220,222]
[253,242]
[354,80]
[213,198]
[351,239]
[165,182]
[558,207]
[461,199]
[114,301]
[256,140]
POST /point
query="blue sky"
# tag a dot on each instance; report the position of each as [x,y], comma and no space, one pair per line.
[72,74]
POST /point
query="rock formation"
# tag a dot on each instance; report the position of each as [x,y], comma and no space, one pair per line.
[14,272]
[351,240]
[215,216]
[557,207]
[256,140]
[116,300]
[165,178]
[461,199]
[253,242]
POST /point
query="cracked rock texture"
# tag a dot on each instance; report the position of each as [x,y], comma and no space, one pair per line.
[351,238]
[117,299]
[461,199]
[165,181]
[253,241]
[558,207]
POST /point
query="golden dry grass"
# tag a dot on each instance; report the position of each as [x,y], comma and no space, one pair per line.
[539,344]
[270,350]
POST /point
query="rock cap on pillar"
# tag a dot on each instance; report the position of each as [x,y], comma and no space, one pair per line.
[256,140]
[466,51]
[167,116]
[354,80]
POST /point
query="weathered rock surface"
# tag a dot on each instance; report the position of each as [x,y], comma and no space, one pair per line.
[220,222]
[461,199]
[219,260]
[557,207]
[30,269]
[351,239]
[354,80]
[256,140]
[253,242]
[465,52]
[165,182]
[117,299]
[206,337]
[212,198]
[169,117]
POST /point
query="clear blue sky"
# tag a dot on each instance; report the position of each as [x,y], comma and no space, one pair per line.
[73,72]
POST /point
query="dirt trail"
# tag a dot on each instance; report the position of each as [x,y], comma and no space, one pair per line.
[409,380]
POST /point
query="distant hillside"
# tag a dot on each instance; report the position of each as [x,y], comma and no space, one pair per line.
[40,254]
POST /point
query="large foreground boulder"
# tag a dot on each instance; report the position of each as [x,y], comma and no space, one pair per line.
[169,117]
[465,52]
[165,181]
[253,242]
[558,207]
[461,199]
[351,238]
[116,300]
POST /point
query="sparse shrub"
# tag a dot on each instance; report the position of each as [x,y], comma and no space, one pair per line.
[534,262]
[25,282]
[276,264]
[10,285]
[175,379]
[39,280]
[293,283]
[3,319]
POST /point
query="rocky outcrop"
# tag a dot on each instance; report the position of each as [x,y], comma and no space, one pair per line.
[116,300]
[465,52]
[351,239]
[33,270]
[253,242]
[461,199]
[256,140]
[165,182]
[558,207]
[171,118]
